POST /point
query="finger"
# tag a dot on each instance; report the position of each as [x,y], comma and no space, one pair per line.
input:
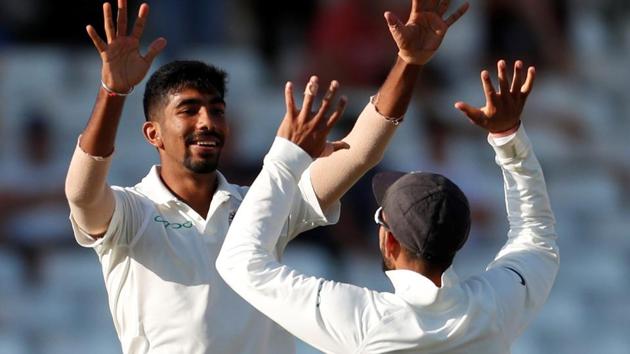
[155,48]
[517,79]
[457,14]
[416,6]
[138,27]
[328,97]
[110,32]
[393,21]
[121,26]
[289,100]
[334,118]
[339,145]
[502,74]
[443,7]
[488,88]
[100,45]
[394,24]
[309,95]
[333,146]
[475,115]
[526,89]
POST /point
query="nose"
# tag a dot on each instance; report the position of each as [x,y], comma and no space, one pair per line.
[204,119]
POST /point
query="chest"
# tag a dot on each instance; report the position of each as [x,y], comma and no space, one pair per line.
[179,245]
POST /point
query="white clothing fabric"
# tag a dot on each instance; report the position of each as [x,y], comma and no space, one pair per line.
[158,257]
[481,314]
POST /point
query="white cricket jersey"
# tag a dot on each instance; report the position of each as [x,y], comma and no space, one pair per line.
[482,314]
[158,260]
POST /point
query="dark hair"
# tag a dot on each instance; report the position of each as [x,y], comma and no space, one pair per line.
[178,75]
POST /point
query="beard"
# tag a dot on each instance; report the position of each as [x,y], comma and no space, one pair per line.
[202,166]
[207,163]
[386,265]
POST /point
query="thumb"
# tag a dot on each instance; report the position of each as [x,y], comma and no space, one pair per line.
[475,115]
[393,22]
[332,146]
[339,145]
[155,48]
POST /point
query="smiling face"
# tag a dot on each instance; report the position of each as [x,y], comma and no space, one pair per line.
[190,131]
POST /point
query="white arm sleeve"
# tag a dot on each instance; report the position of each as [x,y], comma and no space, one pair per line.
[530,257]
[322,313]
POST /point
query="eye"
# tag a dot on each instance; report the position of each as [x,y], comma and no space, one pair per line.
[189,111]
[218,112]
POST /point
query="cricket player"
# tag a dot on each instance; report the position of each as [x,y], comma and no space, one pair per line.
[423,219]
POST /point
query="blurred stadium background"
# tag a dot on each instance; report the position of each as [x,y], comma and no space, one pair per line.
[52,297]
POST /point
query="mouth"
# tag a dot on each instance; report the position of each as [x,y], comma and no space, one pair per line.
[205,143]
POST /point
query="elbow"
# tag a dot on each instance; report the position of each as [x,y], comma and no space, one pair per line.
[83,197]
[76,196]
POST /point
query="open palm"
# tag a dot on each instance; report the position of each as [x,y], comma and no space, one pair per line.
[123,64]
[502,112]
[420,37]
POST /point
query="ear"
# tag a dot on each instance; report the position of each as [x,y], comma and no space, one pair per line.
[392,246]
[151,132]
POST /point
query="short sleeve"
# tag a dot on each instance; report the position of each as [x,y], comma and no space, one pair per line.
[306,212]
[123,226]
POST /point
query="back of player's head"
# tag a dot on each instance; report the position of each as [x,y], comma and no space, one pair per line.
[426,212]
[178,75]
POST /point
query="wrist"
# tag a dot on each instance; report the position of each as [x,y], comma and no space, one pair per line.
[412,59]
[115,92]
[508,132]
[395,121]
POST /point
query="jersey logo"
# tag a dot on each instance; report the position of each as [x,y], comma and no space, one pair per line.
[517,273]
[172,225]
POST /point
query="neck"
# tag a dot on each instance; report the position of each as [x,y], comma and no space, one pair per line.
[194,189]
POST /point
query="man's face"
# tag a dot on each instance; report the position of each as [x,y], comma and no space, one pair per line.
[193,129]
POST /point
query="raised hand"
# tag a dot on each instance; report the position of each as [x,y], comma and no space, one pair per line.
[123,65]
[502,112]
[420,37]
[309,129]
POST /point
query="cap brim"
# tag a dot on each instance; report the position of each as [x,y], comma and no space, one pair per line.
[381,181]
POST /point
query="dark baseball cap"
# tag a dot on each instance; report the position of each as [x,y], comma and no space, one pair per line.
[426,212]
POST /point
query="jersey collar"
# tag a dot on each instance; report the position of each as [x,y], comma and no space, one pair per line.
[153,187]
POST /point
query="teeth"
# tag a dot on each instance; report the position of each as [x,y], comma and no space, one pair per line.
[207,143]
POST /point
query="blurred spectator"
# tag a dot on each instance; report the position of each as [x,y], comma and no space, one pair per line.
[532,30]
[189,23]
[47,22]
[280,25]
[350,42]
[32,202]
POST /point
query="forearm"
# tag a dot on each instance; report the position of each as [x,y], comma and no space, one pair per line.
[334,175]
[90,198]
[395,94]
[100,133]
[531,247]
[527,201]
